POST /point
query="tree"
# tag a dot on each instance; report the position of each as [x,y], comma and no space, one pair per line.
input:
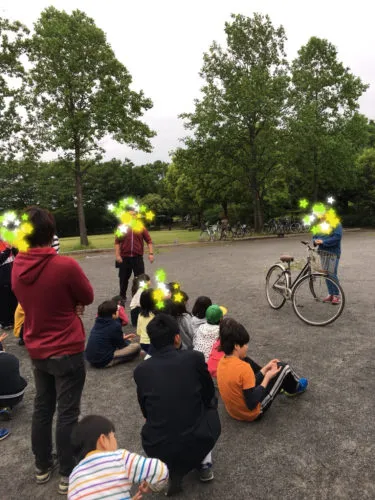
[80,93]
[215,179]
[323,99]
[371,133]
[158,204]
[243,101]
[12,46]
[366,181]
[18,184]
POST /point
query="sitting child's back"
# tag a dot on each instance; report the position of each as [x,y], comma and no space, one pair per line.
[208,333]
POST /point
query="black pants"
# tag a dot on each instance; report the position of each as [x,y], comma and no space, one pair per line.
[185,454]
[8,304]
[134,313]
[286,379]
[127,266]
[57,380]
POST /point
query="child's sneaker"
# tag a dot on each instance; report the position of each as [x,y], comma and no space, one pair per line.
[328,298]
[4,433]
[206,473]
[43,476]
[301,387]
[335,300]
[5,414]
[174,486]
[63,485]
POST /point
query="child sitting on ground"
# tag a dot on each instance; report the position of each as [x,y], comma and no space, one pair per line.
[12,385]
[104,471]
[248,390]
[107,345]
[214,358]
[121,310]
[199,312]
[183,317]
[140,283]
[145,316]
[208,332]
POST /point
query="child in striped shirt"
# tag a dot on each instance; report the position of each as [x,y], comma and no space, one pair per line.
[104,471]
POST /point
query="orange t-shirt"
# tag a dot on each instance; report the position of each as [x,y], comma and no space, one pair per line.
[234,376]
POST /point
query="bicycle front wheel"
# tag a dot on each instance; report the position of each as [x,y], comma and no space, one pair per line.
[276,284]
[308,300]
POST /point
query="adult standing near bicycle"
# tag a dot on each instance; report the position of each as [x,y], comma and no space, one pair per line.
[129,251]
[331,243]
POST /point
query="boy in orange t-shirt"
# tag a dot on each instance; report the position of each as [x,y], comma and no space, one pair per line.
[247,389]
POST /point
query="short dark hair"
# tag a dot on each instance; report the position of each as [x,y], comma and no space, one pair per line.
[44,227]
[200,306]
[107,309]
[117,298]
[179,308]
[162,330]
[146,302]
[87,432]
[231,334]
[168,308]
[137,280]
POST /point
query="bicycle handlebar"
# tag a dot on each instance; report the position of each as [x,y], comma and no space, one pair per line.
[307,243]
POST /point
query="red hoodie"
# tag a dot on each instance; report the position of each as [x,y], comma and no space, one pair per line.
[132,244]
[48,287]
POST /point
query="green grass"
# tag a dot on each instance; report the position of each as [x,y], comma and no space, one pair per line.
[107,240]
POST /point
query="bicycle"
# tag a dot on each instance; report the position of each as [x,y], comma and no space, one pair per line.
[209,233]
[309,288]
[226,233]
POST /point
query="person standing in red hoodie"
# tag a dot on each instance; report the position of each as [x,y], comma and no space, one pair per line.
[50,288]
[129,251]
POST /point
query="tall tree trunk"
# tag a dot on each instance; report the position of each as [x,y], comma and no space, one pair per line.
[224,205]
[80,209]
[258,211]
[315,176]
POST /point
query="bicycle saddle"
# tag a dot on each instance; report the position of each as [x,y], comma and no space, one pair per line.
[286,258]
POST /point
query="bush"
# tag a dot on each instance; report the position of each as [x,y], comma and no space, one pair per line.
[358,220]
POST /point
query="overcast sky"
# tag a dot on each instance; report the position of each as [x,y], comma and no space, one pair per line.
[161,42]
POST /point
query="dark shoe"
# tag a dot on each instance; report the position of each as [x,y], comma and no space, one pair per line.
[21,342]
[63,485]
[5,414]
[7,327]
[43,476]
[174,486]
[206,473]
[4,433]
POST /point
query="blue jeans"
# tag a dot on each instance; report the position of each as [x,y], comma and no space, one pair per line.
[332,289]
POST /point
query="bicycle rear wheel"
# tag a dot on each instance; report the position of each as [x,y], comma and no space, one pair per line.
[276,277]
[204,236]
[308,296]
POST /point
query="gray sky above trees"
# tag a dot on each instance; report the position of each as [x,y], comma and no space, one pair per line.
[162,43]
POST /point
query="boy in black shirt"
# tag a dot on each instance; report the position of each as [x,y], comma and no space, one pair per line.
[107,345]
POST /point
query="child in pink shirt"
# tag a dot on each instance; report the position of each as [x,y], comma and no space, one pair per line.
[214,358]
[121,310]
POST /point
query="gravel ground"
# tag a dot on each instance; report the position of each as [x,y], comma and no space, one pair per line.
[318,446]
